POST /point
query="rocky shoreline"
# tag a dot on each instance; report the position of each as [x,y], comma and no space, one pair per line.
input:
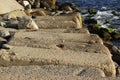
[50,40]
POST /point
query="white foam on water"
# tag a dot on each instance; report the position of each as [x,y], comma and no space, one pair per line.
[104,13]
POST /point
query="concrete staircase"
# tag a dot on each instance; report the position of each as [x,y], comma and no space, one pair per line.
[56,52]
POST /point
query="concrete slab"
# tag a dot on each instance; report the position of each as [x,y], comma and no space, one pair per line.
[64,37]
[67,21]
[58,44]
[36,56]
[9,5]
[52,71]
[72,30]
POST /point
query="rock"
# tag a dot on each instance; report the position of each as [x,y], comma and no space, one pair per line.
[14,14]
[45,5]
[6,46]
[7,6]
[2,23]
[92,11]
[67,7]
[27,22]
[49,4]
[116,35]
[90,21]
[4,33]
[115,13]
[38,12]
[115,49]
[37,3]
[118,71]
[2,41]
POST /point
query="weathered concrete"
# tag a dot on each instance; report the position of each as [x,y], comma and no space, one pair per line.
[35,72]
[59,44]
[14,14]
[7,6]
[37,56]
[48,36]
[72,30]
[67,21]
[56,70]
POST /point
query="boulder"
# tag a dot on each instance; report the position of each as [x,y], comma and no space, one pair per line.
[7,6]
[27,22]
[51,3]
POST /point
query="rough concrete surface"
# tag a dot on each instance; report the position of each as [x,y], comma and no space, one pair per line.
[63,51]
[71,21]
[37,56]
[9,5]
[50,72]
[74,37]
[71,30]
[59,44]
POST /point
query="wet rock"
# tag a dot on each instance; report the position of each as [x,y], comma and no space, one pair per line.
[44,5]
[115,13]
[67,8]
[92,11]
[90,21]
[117,36]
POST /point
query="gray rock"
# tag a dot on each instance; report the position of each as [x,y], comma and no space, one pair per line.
[6,46]
[4,33]
[27,22]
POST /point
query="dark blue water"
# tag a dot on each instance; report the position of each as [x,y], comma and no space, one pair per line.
[114,4]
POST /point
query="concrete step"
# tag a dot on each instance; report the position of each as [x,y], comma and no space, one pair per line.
[72,30]
[69,21]
[59,44]
[51,72]
[36,56]
[49,36]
